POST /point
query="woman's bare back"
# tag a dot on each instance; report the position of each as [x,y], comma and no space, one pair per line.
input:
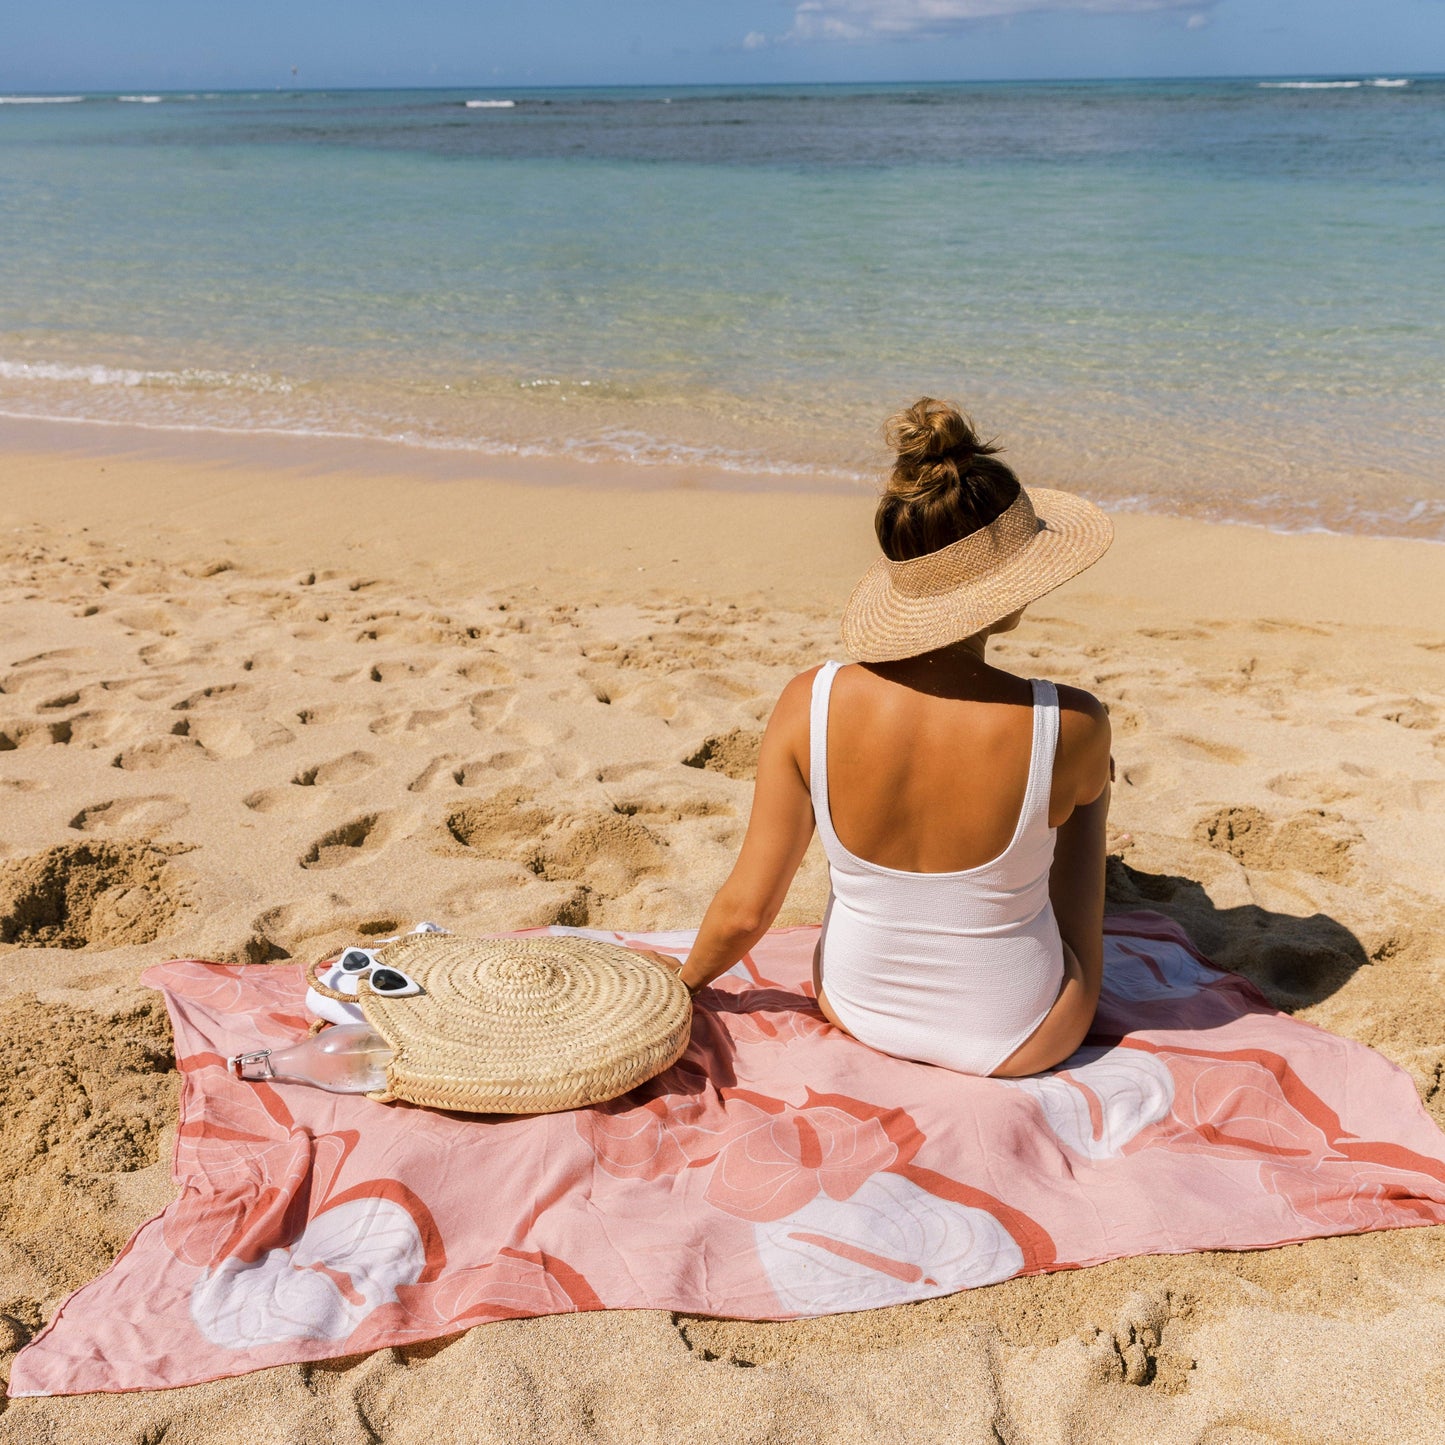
[928,781]
[928,762]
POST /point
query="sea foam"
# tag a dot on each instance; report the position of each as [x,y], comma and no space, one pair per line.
[1382,82]
[40,99]
[190,379]
[490,104]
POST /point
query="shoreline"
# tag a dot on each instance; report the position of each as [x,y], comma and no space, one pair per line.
[1038,461]
[490,522]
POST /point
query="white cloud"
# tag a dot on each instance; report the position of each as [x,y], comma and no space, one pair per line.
[754,40]
[864,19]
[1197,21]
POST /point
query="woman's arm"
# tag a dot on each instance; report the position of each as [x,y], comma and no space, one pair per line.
[1076,887]
[779,830]
[1076,880]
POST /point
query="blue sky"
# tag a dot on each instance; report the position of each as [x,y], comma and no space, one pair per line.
[159,44]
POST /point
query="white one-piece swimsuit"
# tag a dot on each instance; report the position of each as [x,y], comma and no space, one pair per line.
[958,968]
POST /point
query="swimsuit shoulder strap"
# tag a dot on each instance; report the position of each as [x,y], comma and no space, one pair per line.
[1035,812]
[818,753]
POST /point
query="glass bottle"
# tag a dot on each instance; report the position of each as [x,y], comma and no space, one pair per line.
[342,1059]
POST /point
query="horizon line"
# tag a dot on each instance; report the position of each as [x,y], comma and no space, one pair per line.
[282,88]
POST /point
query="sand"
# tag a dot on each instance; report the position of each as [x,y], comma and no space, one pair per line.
[253,709]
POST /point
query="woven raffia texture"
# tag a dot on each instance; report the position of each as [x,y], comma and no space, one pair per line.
[526,1025]
[901,609]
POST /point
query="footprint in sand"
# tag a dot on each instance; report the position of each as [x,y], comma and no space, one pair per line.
[1275,624]
[607,852]
[487,671]
[348,844]
[140,815]
[89,894]
[208,694]
[148,619]
[1406,712]
[288,801]
[42,679]
[305,793]
[286,928]
[1175,634]
[482,771]
[152,687]
[110,727]
[170,651]
[1151,774]
[672,805]
[1140,1340]
[436,774]
[223,737]
[399,671]
[1395,791]
[33,735]
[54,655]
[1314,842]
[734,754]
[423,720]
[162,752]
[1216,752]
[1124,721]
[348,768]
[330,713]
[485,708]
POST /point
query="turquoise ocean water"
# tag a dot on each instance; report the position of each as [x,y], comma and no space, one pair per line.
[1218,297]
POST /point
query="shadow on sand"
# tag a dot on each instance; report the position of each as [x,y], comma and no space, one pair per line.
[1293,961]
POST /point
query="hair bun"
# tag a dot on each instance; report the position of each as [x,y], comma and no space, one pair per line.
[932,429]
[945,483]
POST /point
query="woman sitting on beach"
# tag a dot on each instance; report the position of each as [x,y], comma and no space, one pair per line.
[961,808]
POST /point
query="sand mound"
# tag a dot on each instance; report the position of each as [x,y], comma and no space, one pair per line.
[83,895]
[1315,842]
[734,754]
[85,1097]
[607,852]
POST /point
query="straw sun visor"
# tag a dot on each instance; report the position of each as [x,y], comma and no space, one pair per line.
[525,1025]
[1041,540]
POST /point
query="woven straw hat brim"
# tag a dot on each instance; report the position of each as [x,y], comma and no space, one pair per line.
[883,623]
[526,1025]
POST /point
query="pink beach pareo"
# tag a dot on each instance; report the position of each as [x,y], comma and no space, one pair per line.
[779,1169]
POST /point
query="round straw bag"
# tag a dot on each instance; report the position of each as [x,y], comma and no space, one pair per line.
[524,1025]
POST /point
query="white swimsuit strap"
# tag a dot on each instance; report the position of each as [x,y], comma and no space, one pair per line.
[1035,811]
[818,753]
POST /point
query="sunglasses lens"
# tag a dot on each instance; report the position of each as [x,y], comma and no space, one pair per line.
[391,981]
[354,960]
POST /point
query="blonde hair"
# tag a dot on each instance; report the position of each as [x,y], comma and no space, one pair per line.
[946,482]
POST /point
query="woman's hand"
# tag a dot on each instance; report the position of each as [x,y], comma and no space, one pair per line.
[673,965]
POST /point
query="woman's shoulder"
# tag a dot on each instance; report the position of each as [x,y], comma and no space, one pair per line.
[796,697]
[1082,717]
[792,709]
[1086,710]
[1084,742]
